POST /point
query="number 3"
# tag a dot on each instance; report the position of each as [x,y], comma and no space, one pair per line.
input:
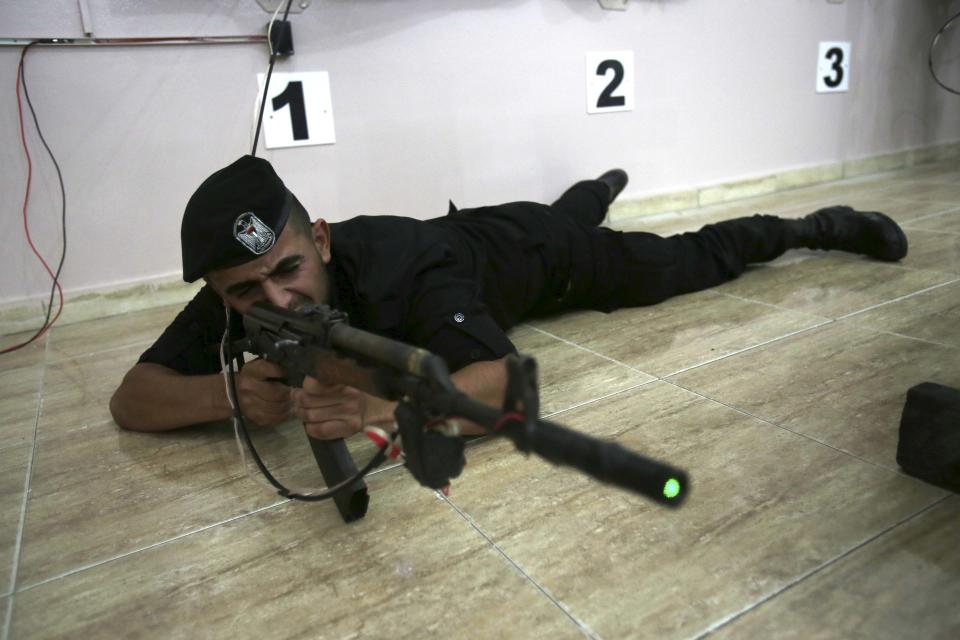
[836,53]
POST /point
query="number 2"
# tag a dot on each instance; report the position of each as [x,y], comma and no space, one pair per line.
[835,53]
[293,96]
[607,99]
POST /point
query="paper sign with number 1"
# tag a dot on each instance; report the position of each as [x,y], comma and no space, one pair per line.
[298,111]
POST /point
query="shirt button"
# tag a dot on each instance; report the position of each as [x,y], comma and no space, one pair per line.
[458,317]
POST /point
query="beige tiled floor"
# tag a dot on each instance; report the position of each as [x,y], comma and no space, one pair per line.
[921,556]
[780,392]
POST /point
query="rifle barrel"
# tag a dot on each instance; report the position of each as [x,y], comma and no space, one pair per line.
[604,460]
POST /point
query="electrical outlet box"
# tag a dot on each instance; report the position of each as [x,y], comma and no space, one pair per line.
[281,37]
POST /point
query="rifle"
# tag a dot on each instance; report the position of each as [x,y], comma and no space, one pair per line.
[318,341]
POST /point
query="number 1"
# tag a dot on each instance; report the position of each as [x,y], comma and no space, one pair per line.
[293,96]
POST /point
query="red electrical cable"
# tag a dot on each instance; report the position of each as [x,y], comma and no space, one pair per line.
[26,225]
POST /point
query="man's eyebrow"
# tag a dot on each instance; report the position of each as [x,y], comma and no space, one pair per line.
[287,263]
[238,287]
[284,265]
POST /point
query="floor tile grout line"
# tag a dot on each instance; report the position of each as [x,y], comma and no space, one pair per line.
[823,566]
[897,299]
[585,403]
[826,321]
[904,267]
[582,626]
[778,426]
[172,539]
[27,482]
[587,349]
[906,227]
[59,360]
[935,214]
[78,356]
[148,547]
[914,338]
[794,333]
[5,632]
[770,304]
[855,259]
[837,319]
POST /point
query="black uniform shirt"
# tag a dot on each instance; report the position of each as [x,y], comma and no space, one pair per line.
[452,285]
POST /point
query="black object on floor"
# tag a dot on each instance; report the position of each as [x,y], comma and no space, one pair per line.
[929,446]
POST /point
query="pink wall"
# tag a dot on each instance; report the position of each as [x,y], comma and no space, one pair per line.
[477,101]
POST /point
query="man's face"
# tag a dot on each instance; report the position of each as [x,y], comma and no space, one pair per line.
[291,274]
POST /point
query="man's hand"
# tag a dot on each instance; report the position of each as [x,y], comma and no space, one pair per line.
[263,401]
[329,411]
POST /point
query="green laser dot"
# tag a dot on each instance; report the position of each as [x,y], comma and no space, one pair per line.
[672,488]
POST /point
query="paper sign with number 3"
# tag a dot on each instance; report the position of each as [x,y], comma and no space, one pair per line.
[833,67]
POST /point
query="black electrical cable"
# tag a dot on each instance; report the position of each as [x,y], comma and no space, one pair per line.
[266,84]
[22,72]
[933,44]
[375,461]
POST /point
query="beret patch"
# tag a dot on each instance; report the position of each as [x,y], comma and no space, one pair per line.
[253,234]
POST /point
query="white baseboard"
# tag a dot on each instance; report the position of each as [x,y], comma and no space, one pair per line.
[89,305]
[675,201]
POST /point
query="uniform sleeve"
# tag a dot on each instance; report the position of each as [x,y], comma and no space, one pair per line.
[190,345]
[413,281]
[447,319]
[477,338]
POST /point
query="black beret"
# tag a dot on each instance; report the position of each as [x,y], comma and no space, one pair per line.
[234,217]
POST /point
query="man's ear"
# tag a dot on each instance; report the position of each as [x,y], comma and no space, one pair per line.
[321,237]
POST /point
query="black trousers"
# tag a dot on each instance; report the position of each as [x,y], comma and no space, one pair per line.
[612,269]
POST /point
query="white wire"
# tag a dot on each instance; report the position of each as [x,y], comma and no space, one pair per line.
[245,465]
[270,26]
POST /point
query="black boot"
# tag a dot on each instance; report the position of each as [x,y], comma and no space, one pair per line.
[841,228]
[616,180]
